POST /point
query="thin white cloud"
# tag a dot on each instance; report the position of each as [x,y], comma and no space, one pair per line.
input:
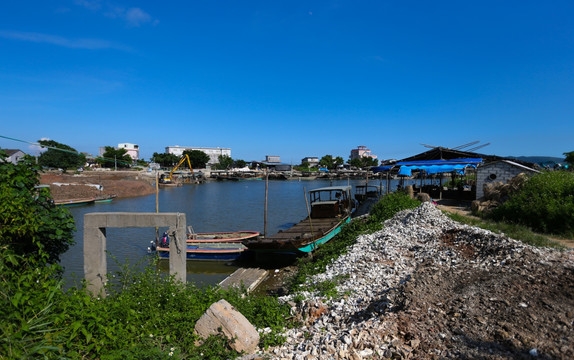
[37,149]
[93,5]
[90,44]
[134,17]
[137,17]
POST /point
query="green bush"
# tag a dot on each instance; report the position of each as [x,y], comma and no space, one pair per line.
[29,292]
[147,315]
[545,204]
[391,204]
[150,315]
[30,223]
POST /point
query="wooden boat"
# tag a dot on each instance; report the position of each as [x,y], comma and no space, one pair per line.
[221,237]
[104,199]
[74,202]
[331,208]
[214,246]
[211,251]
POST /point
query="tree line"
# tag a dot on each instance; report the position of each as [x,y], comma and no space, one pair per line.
[62,156]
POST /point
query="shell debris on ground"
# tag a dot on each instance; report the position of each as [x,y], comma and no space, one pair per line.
[427,287]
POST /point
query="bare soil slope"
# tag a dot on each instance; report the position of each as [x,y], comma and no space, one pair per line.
[117,183]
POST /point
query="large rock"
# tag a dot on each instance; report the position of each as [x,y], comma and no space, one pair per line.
[222,318]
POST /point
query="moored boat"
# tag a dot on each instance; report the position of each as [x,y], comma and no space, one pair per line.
[215,246]
[214,237]
[212,251]
[330,209]
[105,198]
[74,202]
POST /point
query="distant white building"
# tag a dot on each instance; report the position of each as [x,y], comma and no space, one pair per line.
[132,150]
[311,160]
[272,158]
[213,153]
[360,152]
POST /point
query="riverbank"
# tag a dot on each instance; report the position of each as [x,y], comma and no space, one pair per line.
[427,287]
[92,184]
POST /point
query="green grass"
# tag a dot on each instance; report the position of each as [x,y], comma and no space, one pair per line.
[147,315]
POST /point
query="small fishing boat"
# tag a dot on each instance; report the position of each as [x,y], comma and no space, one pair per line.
[214,237]
[215,246]
[104,198]
[213,251]
[74,202]
[331,208]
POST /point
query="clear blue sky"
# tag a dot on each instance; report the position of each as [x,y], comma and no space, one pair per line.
[289,78]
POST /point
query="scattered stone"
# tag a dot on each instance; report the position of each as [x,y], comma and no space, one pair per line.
[426,287]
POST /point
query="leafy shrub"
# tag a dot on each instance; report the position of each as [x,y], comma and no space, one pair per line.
[28,294]
[30,223]
[545,203]
[150,315]
[391,204]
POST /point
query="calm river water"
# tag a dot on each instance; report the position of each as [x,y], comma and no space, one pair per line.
[209,207]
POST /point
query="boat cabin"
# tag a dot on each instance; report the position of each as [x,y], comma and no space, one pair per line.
[331,202]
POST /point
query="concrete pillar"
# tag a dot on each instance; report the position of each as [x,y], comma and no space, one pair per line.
[178,250]
[95,262]
[95,224]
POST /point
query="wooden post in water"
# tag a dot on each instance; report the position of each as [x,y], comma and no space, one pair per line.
[156,206]
[308,212]
[265,212]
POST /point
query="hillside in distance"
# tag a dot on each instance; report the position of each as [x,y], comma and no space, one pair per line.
[540,160]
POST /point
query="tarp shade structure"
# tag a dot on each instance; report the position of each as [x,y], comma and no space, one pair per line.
[431,166]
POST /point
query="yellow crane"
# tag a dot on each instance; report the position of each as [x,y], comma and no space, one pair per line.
[163,179]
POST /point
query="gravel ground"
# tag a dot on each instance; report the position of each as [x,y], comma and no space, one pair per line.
[426,287]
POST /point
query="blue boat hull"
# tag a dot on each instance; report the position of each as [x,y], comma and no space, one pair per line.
[209,252]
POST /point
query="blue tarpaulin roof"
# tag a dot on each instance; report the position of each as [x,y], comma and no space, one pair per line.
[431,166]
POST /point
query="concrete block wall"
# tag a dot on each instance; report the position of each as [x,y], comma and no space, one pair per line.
[503,172]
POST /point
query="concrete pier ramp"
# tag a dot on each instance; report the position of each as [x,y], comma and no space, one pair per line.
[249,277]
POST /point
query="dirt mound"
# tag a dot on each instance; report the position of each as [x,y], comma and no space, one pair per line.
[426,287]
[515,311]
[94,184]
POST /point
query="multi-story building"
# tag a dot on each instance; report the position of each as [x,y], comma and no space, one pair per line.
[132,150]
[213,153]
[361,151]
[311,160]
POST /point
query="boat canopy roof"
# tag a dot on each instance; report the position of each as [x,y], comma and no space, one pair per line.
[333,188]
